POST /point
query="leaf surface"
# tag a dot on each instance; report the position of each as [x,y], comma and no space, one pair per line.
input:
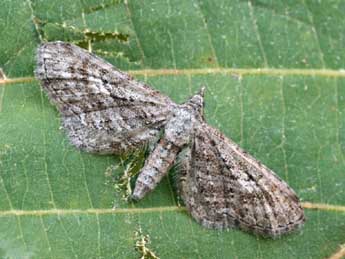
[274,85]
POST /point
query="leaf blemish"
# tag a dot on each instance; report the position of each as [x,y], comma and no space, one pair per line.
[141,245]
[130,165]
[2,75]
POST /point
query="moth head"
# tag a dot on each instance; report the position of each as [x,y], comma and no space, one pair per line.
[197,101]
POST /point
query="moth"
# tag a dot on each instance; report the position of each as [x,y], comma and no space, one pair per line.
[106,111]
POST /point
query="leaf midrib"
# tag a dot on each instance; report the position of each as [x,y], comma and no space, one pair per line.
[209,71]
[3,213]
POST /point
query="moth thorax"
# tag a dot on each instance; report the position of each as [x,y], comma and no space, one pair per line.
[179,128]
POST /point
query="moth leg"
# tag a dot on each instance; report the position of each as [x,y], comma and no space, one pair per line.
[156,167]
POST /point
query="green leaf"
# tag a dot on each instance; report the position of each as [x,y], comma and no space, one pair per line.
[275,85]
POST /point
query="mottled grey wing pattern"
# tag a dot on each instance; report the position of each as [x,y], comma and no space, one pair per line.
[104,110]
[224,187]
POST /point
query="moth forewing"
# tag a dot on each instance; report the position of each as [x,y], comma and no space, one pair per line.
[103,109]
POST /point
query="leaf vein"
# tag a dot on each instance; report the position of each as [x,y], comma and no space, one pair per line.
[48,212]
[44,141]
[129,13]
[213,71]
[203,18]
[315,32]
[258,37]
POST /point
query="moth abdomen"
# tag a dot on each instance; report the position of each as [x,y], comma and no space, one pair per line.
[156,167]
